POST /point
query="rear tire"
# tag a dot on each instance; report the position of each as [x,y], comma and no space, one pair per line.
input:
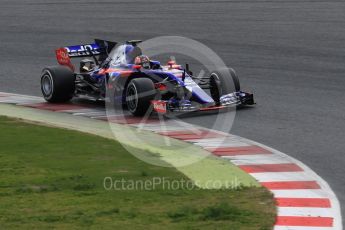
[57,84]
[223,82]
[139,94]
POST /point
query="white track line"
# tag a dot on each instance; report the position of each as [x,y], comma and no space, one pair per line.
[89,113]
[282,176]
[159,129]
[300,193]
[19,101]
[165,127]
[306,212]
[218,142]
[302,228]
[257,159]
[78,112]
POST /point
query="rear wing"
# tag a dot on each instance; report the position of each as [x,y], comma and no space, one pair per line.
[83,50]
[100,48]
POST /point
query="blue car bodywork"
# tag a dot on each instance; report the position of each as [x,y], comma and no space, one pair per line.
[113,68]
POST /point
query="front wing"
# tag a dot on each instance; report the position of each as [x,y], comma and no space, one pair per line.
[184,106]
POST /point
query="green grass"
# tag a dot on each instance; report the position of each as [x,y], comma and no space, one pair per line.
[176,153]
[53,178]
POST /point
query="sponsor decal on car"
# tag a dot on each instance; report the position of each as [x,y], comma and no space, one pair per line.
[159,106]
[81,50]
[63,58]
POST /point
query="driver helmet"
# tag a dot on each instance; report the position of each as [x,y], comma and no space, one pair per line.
[143,60]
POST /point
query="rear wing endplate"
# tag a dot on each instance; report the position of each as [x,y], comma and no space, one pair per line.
[100,48]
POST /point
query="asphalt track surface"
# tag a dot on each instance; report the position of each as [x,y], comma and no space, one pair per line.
[290,53]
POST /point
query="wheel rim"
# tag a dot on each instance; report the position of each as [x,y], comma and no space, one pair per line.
[47,85]
[132,98]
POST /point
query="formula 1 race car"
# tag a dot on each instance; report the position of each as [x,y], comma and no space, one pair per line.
[130,79]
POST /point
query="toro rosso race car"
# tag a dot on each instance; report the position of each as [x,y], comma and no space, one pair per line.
[131,80]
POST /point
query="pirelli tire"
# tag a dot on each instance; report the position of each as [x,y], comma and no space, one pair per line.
[139,94]
[57,84]
[223,82]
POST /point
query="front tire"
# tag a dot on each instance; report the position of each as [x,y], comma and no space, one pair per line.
[57,84]
[139,94]
[223,82]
